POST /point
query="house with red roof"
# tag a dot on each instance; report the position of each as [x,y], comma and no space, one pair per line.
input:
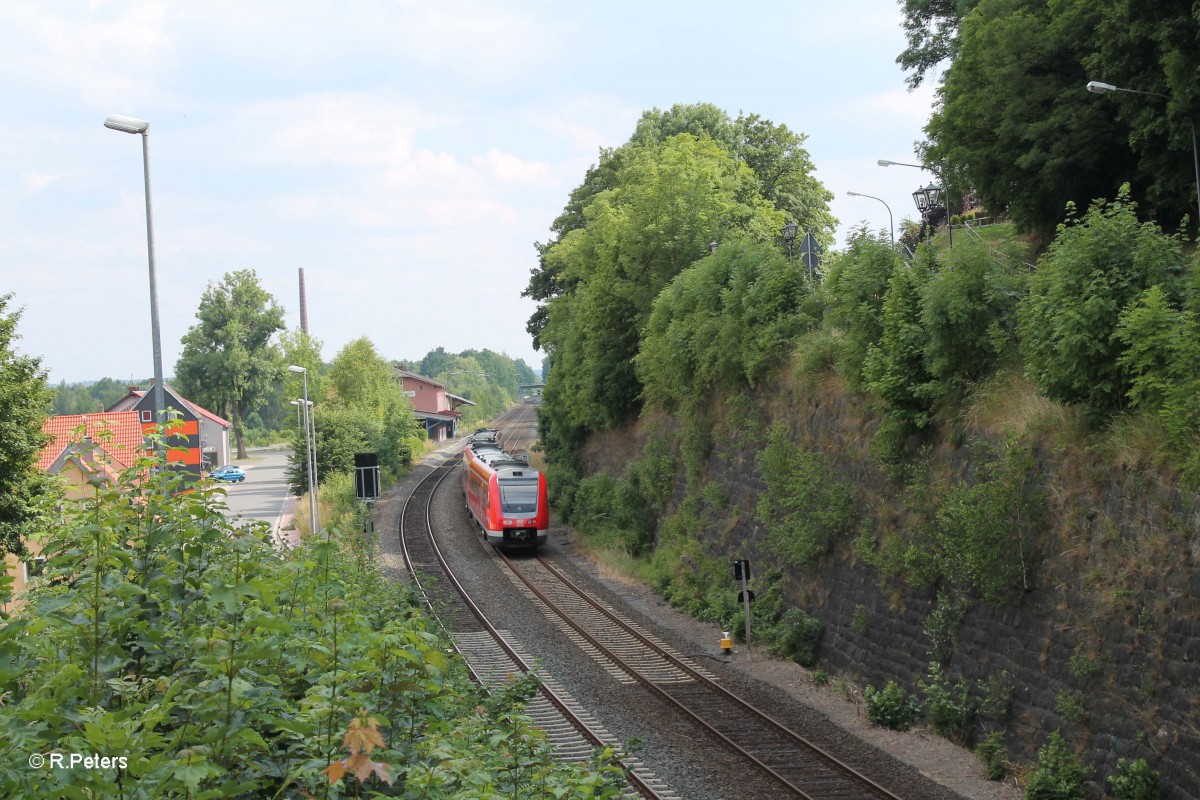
[432,404]
[86,451]
[207,434]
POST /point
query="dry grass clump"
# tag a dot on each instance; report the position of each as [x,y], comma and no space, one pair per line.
[1009,403]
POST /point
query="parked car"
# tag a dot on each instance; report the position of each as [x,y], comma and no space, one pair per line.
[228,473]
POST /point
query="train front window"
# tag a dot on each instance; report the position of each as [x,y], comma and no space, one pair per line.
[518,496]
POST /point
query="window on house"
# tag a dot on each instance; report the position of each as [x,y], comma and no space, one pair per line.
[147,416]
[34,567]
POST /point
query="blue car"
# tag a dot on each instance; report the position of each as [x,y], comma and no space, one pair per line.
[228,473]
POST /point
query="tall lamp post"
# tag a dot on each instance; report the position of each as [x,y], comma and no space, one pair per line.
[310,453]
[883,162]
[131,125]
[891,224]
[1096,87]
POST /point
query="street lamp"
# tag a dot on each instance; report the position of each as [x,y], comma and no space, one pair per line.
[931,199]
[1096,87]
[310,452]
[789,236]
[131,125]
[891,224]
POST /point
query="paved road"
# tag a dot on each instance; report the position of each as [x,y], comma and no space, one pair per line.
[264,494]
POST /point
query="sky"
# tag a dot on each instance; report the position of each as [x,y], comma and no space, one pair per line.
[407,154]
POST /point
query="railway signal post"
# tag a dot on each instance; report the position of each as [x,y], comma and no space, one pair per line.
[741,572]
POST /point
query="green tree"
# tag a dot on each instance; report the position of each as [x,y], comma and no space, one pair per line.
[1059,775]
[24,401]
[854,291]
[1153,47]
[74,398]
[360,382]
[894,367]
[1096,268]
[657,221]
[1013,119]
[932,30]
[729,318]
[229,359]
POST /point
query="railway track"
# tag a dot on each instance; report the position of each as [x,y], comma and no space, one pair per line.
[801,768]
[491,657]
[796,766]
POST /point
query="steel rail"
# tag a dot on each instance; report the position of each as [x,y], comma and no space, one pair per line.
[573,719]
[699,678]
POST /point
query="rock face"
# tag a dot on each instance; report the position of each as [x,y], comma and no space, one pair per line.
[1104,642]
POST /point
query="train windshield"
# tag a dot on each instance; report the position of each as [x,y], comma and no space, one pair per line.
[518,496]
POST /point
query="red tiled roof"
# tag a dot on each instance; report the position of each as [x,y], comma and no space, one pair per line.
[137,394]
[121,446]
[204,412]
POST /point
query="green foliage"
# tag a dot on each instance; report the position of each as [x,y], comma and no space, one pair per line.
[1095,269]
[229,360]
[931,28]
[1134,780]
[969,315]
[87,398]
[941,626]
[221,666]
[1082,666]
[996,701]
[994,755]
[859,621]
[948,706]
[805,507]
[891,707]
[797,636]
[1070,705]
[854,291]
[1162,356]
[728,319]
[986,529]
[894,367]
[1059,775]
[24,400]
[1014,122]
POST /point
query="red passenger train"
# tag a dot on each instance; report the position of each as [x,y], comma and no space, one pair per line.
[505,495]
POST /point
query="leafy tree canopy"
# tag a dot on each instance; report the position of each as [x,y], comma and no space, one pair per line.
[1015,123]
[776,156]
[230,360]
[932,30]
[24,400]
[657,220]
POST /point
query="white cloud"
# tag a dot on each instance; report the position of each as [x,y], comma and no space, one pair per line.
[36,181]
[103,54]
[507,168]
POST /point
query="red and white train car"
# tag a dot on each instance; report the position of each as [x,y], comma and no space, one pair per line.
[505,495]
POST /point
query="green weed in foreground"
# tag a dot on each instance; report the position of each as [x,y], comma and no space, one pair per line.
[219,667]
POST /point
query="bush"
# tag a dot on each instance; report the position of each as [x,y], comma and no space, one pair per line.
[797,636]
[994,755]
[1134,780]
[1095,269]
[891,707]
[948,707]
[1059,774]
[805,507]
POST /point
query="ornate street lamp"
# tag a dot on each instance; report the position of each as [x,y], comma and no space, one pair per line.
[883,162]
[789,236]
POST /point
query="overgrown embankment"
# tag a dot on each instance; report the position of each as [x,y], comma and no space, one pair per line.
[1060,592]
